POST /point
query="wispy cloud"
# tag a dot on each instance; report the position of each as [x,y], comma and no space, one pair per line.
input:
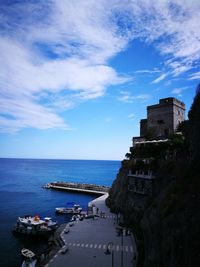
[131,116]
[178,91]
[160,78]
[127,97]
[148,71]
[178,67]
[55,47]
[46,56]
[22,113]
[172,26]
[195,76]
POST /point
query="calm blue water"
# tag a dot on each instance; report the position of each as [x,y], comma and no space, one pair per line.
[21,193]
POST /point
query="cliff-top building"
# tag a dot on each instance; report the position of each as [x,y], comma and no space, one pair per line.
[163,118]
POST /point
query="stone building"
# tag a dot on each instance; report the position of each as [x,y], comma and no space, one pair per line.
[163,118]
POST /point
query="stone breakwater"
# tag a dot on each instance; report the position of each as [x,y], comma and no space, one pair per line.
[79,187]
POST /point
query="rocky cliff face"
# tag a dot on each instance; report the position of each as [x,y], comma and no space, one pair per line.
[167,227]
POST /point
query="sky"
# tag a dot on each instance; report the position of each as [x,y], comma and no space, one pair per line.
[76,76]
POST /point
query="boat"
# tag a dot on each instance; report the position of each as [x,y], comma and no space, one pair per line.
[35,226]
[75,209]
[50,223]
[46,186]
[29,258]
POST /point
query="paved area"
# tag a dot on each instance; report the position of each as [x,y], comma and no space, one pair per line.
[88,240]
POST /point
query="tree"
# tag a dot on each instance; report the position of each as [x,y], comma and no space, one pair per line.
[128,156]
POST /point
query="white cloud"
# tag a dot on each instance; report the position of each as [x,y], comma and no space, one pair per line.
[178,91]
[80,43]
[21,113]
[172,26]
[126,97]
[148,71]
[160,78]
[195,76]
[142,96]
[178,67]
[55,47]
[131,116]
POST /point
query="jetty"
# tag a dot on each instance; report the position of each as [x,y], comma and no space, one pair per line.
[78,187]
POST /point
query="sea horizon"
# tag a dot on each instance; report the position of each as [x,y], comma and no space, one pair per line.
[32,158]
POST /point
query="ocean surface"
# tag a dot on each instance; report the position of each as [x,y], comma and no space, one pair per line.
[21,193]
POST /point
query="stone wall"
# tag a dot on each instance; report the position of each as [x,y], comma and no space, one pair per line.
[163,118]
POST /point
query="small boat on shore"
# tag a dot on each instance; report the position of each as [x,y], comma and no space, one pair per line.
[35,226]
[29,258]
[75,209]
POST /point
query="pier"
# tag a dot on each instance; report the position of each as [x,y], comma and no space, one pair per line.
[79,187]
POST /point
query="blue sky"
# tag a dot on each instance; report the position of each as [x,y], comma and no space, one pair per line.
[76,76]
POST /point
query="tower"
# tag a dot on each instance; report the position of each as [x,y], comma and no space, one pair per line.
[163,118]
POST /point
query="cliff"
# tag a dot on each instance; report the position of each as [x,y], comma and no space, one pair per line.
[166,225]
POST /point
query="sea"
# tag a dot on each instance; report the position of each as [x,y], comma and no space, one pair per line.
[21,193]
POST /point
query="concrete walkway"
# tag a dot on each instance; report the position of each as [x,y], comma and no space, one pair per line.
[88,240]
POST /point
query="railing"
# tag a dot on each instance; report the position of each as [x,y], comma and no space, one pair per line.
[142,174]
